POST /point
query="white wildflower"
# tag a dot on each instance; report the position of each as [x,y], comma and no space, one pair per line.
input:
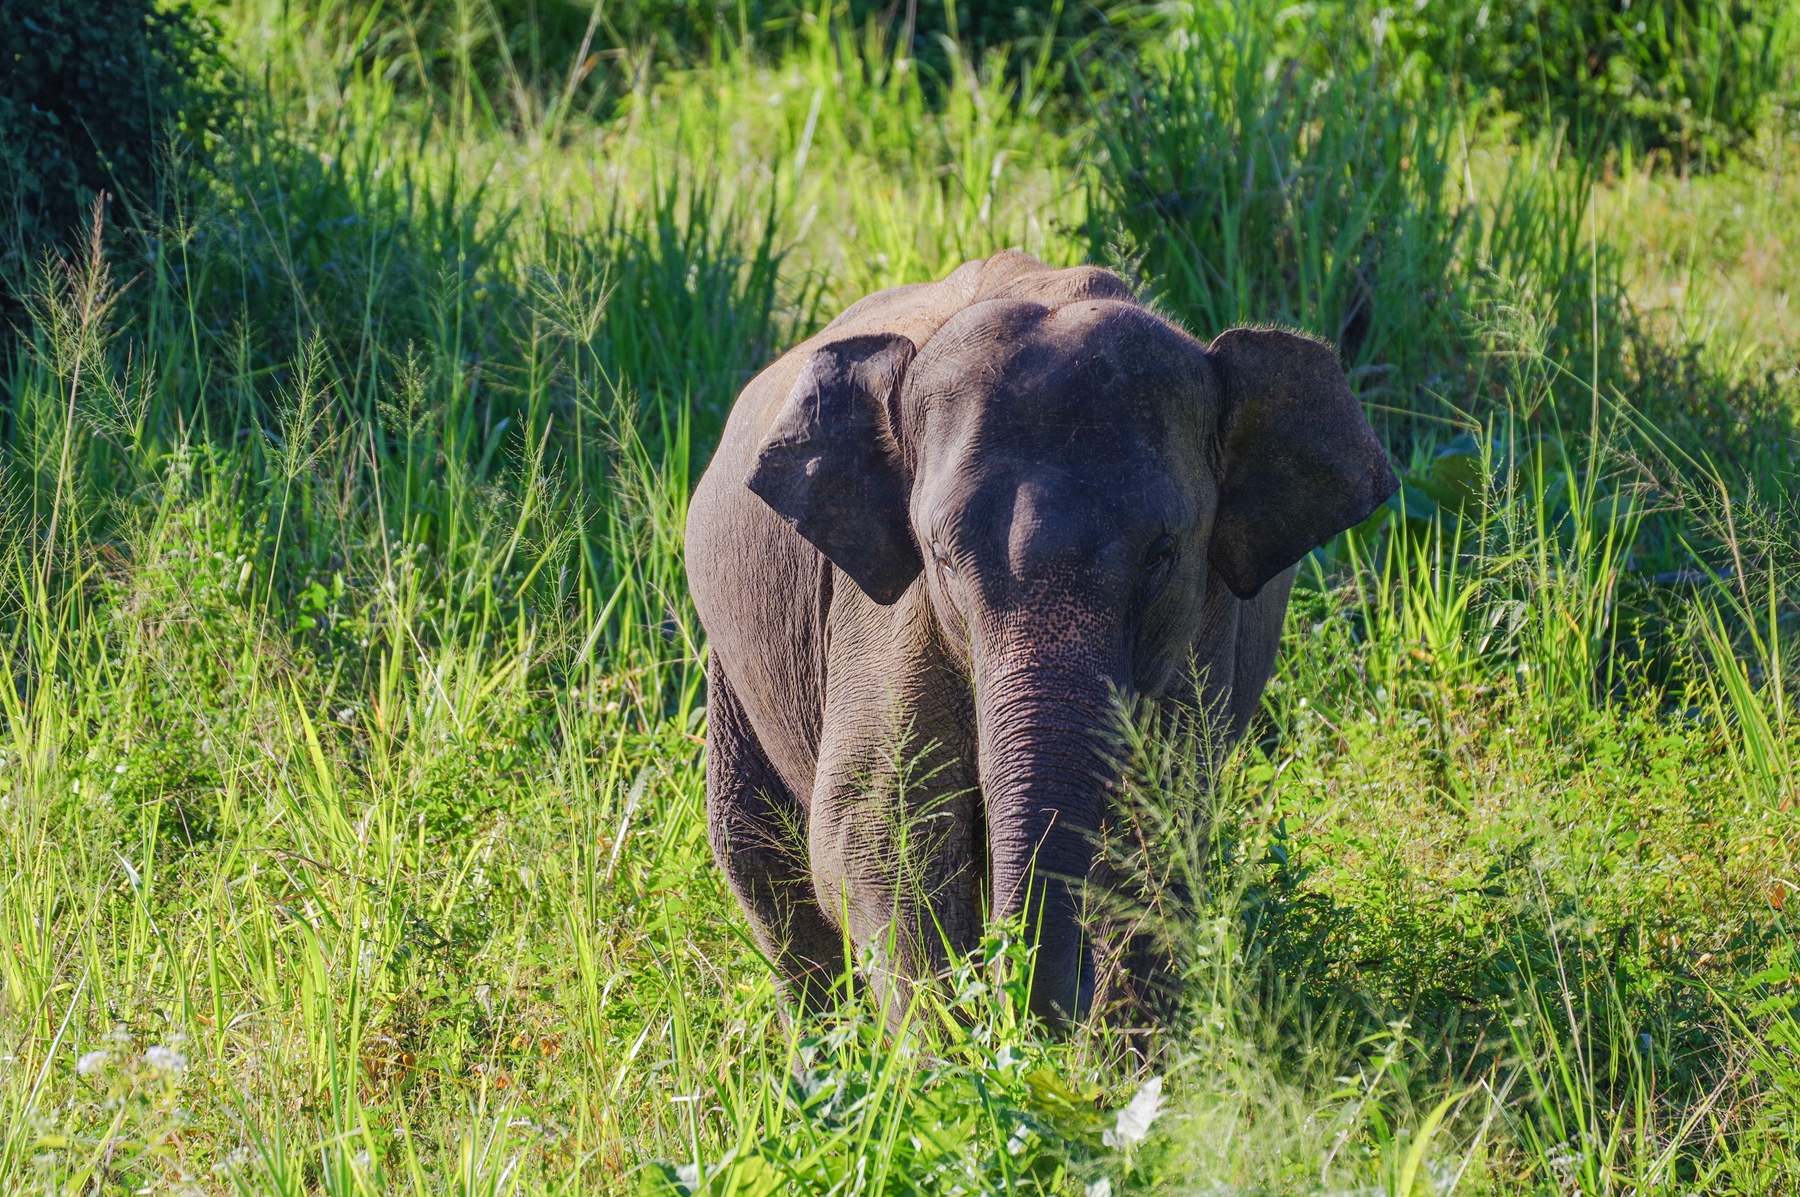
[1138,1115]
[92,1062]
[165,1059]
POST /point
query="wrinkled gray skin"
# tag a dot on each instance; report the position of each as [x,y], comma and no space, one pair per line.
[937,543]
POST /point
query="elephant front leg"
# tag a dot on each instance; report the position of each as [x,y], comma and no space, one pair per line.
[896,834]
[898,860]
[758,834]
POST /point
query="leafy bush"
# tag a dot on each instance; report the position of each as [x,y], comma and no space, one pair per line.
[91,92]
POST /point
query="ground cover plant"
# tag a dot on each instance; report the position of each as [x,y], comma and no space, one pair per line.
[352,759]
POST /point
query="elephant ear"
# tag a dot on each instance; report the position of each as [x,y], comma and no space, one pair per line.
[1298,462]
[832,468]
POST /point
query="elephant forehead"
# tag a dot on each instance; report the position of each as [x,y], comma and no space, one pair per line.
[1100,371]
[1047,474]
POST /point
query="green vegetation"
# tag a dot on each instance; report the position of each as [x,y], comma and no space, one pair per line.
[91,93]
[351,772]
[1690,79]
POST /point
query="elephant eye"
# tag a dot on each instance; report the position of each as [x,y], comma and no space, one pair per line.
[1160,553]
[942,556]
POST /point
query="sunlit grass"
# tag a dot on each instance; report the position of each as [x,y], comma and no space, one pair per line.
[1712,257]
[352,767]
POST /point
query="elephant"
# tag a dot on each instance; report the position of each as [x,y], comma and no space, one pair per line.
[940,543]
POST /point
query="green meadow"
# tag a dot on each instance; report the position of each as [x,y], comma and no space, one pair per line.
[351,770]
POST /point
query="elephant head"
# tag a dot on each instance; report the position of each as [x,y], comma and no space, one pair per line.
[1060,484]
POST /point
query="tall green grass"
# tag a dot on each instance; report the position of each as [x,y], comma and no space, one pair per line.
[1233,180]
[353,773]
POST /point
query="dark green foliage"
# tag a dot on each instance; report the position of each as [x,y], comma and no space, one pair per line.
[981,24]
[1691,77]
[1027,32]
[90,93]
[1694,78]
[532,60]
[510,59]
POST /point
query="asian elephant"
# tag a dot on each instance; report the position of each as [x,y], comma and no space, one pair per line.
[938,543]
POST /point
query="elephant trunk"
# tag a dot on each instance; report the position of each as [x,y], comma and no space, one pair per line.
[1048,758]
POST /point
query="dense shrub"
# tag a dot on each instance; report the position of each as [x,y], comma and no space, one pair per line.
[90,94]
